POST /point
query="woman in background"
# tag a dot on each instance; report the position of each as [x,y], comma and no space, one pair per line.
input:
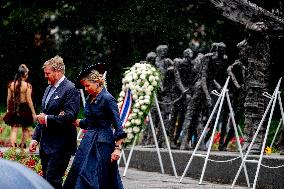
[20,104]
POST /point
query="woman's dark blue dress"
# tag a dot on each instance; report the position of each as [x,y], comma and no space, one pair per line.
[92,167]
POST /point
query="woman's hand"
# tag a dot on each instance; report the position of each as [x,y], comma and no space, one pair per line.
[34,117]
[76,122]
[115,155]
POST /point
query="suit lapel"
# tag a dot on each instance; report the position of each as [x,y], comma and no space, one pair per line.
[57,93]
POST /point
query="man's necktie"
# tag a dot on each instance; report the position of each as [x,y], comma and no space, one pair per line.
[51,91]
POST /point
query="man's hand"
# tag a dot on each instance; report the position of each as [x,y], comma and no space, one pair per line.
[62,113]
[41,118]
[33,145]
[209,102]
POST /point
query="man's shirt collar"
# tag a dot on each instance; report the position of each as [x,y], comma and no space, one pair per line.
[59,81]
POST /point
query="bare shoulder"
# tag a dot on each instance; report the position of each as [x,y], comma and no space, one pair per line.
[25,85]
[11,85]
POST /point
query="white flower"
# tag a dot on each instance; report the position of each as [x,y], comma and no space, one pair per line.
[147,101]
[129,130]
[135,76]
[134,115]
[141,102]
[138,81]
[146,83]
[135,97]
[154,83]
[127,124]
[151,78]
[153,70]
[148,91]
[157,78]
[137,105]
[138,121]
[130,78]
[143,107]
[122,94]
[119,104]
[147,97]
[135,110]
[136,129]
[124,87]
[132,121]
[142,76]
[130,135]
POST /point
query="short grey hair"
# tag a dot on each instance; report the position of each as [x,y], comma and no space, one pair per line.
[56,63]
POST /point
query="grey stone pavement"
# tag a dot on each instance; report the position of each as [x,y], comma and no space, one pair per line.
[137,179]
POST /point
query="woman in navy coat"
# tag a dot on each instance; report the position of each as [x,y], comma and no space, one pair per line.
[95,163]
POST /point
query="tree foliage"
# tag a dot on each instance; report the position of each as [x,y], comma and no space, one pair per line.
[118,33]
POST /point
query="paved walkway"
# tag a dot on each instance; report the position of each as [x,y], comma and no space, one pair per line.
[136,179]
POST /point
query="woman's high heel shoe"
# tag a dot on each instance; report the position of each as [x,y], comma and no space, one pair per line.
[23,145]
[15,145]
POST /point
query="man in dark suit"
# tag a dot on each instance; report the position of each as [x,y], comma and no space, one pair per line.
[55,131]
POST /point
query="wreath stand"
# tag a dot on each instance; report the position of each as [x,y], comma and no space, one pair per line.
[219,103]
[156,142]
[272,102]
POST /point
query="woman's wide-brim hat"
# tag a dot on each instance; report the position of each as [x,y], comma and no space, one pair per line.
[86,70]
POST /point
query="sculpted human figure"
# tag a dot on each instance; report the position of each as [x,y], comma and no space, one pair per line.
[151,58]
[168,91]
[257,51]
[237,72]
[216,63]
[184,78]
[164,95]
[208,78]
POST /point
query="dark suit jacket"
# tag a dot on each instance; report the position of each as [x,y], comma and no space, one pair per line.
[59,134]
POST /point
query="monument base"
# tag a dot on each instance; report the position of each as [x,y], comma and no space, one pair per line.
[224,171]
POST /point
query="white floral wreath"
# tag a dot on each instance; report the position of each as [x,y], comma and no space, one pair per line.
[143,80]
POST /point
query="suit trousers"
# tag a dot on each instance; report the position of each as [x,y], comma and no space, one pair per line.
[54,166]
